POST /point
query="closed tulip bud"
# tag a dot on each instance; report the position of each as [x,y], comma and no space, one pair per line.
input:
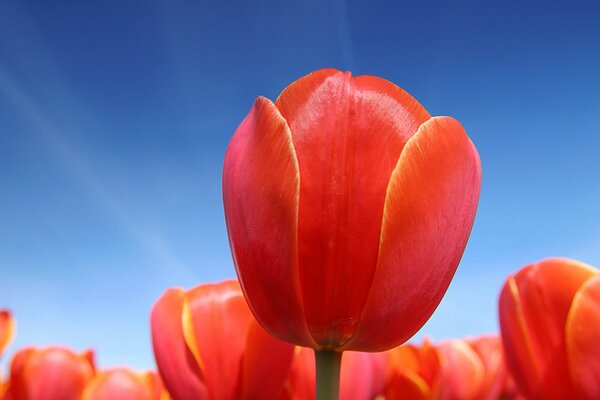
[550,323]
[207,345]
[52,373]
[348,208]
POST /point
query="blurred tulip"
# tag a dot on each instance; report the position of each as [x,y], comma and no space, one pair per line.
[415,372]
[550,322]
[208,346]
[52,373]
[122,383]
[348,208]
[465,369]
[362,376]
[7,329]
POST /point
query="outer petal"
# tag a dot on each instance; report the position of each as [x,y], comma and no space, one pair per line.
[260,196]
[582,336]
[216,320]
[118,383]
[491,353]
[533,313]
[300,383]
[463,373]
[267,363]
[348,134]
[49,374]
[7,329]
[429,210]
[180,373]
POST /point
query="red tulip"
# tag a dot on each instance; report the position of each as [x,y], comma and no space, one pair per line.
[52,373]
[208,346]
[348,208]
[550,322]
[362,376]
[7,329]
[122,383]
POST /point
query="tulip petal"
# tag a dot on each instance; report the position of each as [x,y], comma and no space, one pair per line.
[260,196]
[582,336]
[117,384]
[7,329]
[533,311]
[348,134]
[463,374]
[407,386]
[267,363]
[216,319]
[178,369]
[429,210]
[362,375]
[491,353]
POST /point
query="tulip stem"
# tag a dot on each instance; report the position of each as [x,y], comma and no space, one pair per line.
[328,363]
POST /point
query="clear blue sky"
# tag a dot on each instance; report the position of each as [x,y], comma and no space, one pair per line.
[114,119]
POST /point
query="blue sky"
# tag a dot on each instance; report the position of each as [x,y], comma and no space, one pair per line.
[114,119]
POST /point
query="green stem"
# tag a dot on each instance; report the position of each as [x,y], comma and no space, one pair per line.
[328,364]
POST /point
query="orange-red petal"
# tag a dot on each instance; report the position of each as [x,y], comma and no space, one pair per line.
[583,339]
[119,383]
[178,369]
[7,329]
[267,363]
[463,371]
[429,210]
[216,320]
[260,196]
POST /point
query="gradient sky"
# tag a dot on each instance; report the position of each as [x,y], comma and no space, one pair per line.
[114,119]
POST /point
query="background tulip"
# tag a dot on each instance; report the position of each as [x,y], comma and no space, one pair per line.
[208,346]
[52,373]
[458,369]
[348,208]
[549,321]
[122,383]
[7,329]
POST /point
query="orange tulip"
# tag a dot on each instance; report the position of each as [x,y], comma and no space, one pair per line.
[362,376]
[348,208]
[52,373]
[415,372]
[122,383]
[7,329]
[208,346]
[466,369]
[550,322]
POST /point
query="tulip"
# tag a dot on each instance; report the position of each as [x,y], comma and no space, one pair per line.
[208,346]
[414,372]
[7,329]
[362,376]
[550,323]
[348,208]
[52,373]
[459,369]
[122,383]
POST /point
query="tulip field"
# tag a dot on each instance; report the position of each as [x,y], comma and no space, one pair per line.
[348,208]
